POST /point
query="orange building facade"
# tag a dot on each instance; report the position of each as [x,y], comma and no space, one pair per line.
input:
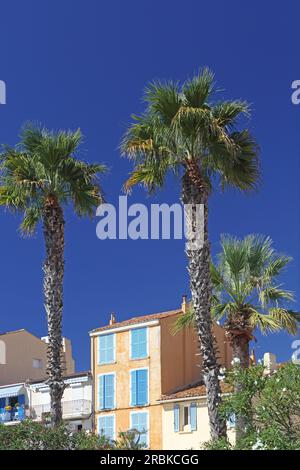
[135,363]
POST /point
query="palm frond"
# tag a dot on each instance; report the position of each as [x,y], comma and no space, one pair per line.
[287,319]
[227,112]
[163,99]
[185,320]
[198,90]
[32,215]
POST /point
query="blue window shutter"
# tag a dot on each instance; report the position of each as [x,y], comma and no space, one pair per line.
[110,427]
[176,418]
[135,421]
[106,426]
[109,391]
[142,387]
[101,424]
[139,343]
[139,422]
[133,388]
[21,399]
[193,416]
[101,391]
[110,341]
[106,349]
[2,402]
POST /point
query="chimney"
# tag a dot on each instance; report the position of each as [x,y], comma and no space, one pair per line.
[112,320]
[270,362]
[184,304]
[252,358]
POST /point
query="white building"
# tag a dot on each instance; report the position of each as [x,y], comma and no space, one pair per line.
[32,400]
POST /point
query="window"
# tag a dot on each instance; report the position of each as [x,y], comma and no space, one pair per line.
[106,352]
[176,418]
[139,387]
[106,390]
[188,417]
[139,421]
[139,343]
[193,416]
[37,363]
[106,426]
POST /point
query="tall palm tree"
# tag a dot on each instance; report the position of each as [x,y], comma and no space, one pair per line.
[39,178]
[185,132]
[247,296]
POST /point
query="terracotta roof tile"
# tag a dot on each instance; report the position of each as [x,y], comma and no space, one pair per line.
[141,319]
[195,390]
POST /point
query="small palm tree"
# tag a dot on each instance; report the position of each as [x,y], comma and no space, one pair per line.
[185,132]
[38,178]
[247,295]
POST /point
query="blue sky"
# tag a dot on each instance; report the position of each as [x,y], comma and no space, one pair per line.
[85,64]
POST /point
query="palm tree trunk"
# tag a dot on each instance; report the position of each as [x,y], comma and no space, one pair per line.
[240,348]
[195,200]
[53,225]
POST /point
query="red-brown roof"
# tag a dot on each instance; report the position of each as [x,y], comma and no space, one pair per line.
[192,391]
[141,319]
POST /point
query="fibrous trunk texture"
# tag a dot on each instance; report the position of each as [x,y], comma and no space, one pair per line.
[195,200]
[240,348]
[53,225]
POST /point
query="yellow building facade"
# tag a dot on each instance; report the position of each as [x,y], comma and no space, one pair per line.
[137,362]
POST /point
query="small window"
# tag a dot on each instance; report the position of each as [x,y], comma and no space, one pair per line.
[106,426]
[107,350]
[106,391]
[186,416]
[79,427]
[37,363]
[139,387]
[139,422]
[139,343]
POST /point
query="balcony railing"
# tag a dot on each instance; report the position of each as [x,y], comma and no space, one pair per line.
[70,409]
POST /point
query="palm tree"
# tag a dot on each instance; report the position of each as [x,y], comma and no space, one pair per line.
[38,178]
[247,296]
[184,132]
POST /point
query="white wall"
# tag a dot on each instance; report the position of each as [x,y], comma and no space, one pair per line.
[186,439]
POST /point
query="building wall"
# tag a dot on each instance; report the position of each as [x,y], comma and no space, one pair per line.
[181,361]
[186,439]
[179,355]
[21,347]
[122,368]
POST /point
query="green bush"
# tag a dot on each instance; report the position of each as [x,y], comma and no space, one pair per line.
[271,404]
[30,435]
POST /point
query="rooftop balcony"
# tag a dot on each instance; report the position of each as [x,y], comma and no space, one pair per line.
[70,409]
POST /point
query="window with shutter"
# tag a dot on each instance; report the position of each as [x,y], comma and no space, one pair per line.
[106,391]
[176,418]
[106,426]
[106,351]
[139,387]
